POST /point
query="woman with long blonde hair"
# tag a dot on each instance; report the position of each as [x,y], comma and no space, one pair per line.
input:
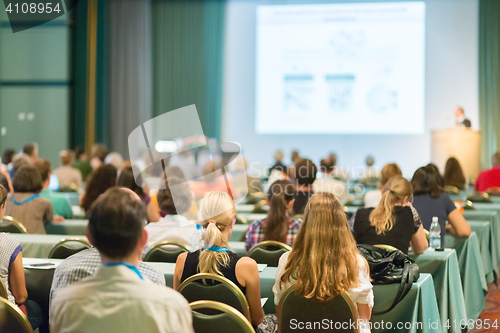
[216,217]
[394,221]
[324,260]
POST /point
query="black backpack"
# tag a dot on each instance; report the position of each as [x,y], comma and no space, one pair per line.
[388,267]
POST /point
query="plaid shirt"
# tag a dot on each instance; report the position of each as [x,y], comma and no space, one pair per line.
[255,232]
[86,263]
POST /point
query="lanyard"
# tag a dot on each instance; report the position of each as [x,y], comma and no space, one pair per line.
[217,249]
[126,264]
[34,196]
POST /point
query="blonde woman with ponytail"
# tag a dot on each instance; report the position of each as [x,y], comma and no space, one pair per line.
[278,224]
[394,221]
[217,216]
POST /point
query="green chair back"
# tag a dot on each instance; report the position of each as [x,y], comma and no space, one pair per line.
[452,190]
[67,247]
[165,252]
[268,252]
[340,309]
[3,290]
[255,197]
[260,207]
[240,219]
[481,197]
[10,224]
[227,320]
[201,287]
[12,319]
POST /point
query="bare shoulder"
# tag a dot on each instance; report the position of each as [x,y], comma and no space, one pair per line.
[246,263]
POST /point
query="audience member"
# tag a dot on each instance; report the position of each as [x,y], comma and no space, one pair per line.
[373,197]
[325,246]
[19,161]
[173,227]
[7,159]
[62,208]
[115,159]
[370,171]
[338,172]
[453,174]
[31,152]
[81,163]
[126,179]
[278,224]
[187,162]
[99,153]
[489,178]
[394,221]
[67,175]
[328,184]
[25,204]
[295,158]
[97,183]
[4,181]
[217,218]
[12,271]
[429,199]
[214,181]
[305,176]
[278,162]
[118,298]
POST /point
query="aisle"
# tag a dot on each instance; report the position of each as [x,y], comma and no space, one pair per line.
[491,309]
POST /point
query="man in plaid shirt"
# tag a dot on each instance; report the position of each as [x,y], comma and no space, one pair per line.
[255,232]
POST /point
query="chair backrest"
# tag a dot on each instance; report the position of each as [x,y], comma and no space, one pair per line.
[227,320]
[255,197]
[386,247]
[354,202]
[3,290]
[165,252]
[68,188]
[10,224]
[468,205]
[268,252]
[482,197]
[12,319]
[260,207]
[338,310]
[240,219]
[225,291]
[452,189]
[67,247]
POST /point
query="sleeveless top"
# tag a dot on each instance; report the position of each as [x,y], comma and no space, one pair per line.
[191,268]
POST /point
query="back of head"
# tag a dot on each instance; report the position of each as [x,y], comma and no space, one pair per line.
[333,159]
[98,182]
[176,198]
[116,221]
[19,162]
[66,157]
[394,191]
[27,180]
[280,194]
[324,257]
[7,156]
[388,171]
[453,174]
[278,156]
[79,151]
[44,167]
[174,171]
[427,180]
[496,159]
[216,213]
[3,196]
[126,179]
[305,172]
[295,157]
[114,159]
[100,151]
[29,149]
[210,172]
[325,166]
[4,181]
[370,161]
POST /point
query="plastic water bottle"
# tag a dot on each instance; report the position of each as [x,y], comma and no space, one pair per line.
[435,230]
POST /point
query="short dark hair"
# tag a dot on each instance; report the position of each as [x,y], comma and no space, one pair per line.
[44,167]
[27,180]
[325,165]
[116,221]
[19,162]
[427,180]
[3,195]
[178,203]
[4,181]
[29,149]
[8,155]
[305,172]
[100,180]
[79,151]
[126,179]
[496,159]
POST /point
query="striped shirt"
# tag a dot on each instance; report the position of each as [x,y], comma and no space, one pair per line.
[255,232]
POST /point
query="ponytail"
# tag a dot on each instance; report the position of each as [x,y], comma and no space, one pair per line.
[216,213]
[395,190]
[280,195]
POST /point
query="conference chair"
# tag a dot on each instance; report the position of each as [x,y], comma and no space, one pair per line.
[67,247]
[493,191]
[165,252]
[197,287]
[339,309]
[240,219]
[10,224]
[481,197]
[468,205]
[255,197]
[354,202]
[228,319]
[70,188]
[260,207]
[389,248]
[452,190]
[3,290]
[12,319]
[268,252]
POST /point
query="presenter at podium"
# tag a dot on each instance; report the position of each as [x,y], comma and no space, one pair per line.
[460,119]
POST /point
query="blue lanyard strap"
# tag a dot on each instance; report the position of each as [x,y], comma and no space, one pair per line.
[217,249]
[126,264]
[34,196]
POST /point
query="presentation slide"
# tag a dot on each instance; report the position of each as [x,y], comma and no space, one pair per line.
[355,68]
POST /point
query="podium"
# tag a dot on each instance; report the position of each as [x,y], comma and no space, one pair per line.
[461,143]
